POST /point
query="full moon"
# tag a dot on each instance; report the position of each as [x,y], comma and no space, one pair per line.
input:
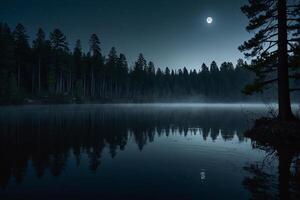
[209,20]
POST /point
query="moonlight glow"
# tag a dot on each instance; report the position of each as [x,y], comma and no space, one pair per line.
[209,20]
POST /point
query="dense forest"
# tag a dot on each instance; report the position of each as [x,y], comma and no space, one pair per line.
[46,69]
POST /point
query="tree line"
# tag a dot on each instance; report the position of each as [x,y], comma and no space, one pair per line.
[46,68]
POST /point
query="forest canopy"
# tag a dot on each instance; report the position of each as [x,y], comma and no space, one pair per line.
[47,68]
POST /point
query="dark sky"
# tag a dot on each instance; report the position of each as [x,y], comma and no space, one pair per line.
[172,33]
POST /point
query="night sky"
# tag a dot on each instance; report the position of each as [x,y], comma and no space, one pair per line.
[172,33]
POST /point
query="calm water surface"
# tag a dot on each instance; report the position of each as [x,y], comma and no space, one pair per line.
[158,151]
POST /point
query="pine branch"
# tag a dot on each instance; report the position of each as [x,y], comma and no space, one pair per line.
[294,40]
[271,28]
[271,41]
[268,82]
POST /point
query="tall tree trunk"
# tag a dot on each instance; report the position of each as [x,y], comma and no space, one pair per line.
[84,83]
[39,74]
[32,81]
[103,88]
[285,111]
[61,82]
[19,76]
[92,83]
[70,84]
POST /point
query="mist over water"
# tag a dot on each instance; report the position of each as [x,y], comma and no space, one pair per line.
[129,151]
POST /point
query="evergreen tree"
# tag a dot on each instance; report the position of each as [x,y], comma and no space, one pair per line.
[226,76]
[122,75]
[242,75]
[275,26]
[204,80]
[22,56]
[7,60]
[97,71]
[60,61]
[122,64]
[150,80]
[58,41]
[111,70]
[78,65]
[138,74]
[95,49]
[214,79]
[41,54]
[96,65]
[77,55]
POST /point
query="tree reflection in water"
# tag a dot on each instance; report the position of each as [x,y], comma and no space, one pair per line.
[47,136]
[284,184]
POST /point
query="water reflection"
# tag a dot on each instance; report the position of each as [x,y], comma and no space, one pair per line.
[140,152]
[48,135]
[284,183]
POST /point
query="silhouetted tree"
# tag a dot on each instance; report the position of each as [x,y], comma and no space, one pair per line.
[96,66]
[274,23]
[138,75]
[59,66]
[215,78]
[78,70]
[122,76]
[22,56]
[7,64]
[41,56]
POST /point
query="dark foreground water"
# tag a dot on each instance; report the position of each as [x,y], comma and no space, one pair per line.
[159,151]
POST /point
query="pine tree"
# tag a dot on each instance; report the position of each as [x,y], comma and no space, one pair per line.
[97,71]
[22,55]
[274,24]
[137,75]
[204,80]
[111,71]
[95,49]
[227,77]
[58,41]
[77,70]
[41,52]
[7,60]
[214,79]
[151,78]
[60,58]
[122,64]
[122,75]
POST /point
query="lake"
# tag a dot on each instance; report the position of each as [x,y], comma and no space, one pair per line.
[142,151]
